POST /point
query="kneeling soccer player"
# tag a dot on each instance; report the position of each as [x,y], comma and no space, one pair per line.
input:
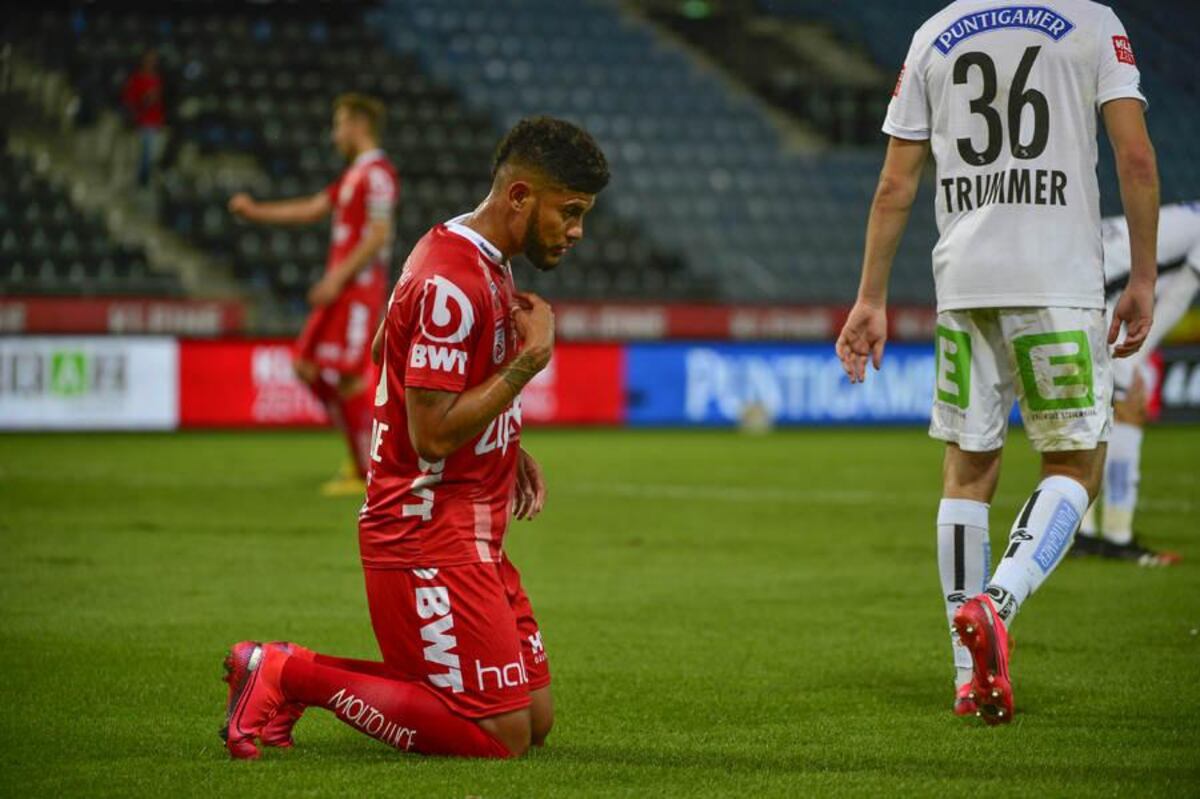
[464,671]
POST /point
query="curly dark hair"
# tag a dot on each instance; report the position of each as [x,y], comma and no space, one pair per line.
[565,153]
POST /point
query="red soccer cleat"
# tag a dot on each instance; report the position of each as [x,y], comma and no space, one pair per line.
[982,631]
[277,731]
[964,701]
[252,671]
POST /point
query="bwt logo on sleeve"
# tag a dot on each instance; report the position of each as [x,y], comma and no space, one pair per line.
[1034,18]
[446,313]
[439,359]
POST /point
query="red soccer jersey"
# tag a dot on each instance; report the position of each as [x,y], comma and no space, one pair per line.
[365,191]
[447,328]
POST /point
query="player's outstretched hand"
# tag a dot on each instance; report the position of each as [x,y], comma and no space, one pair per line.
[534,321]
[530,488]
[862,337]
[240,204]
[1135,310]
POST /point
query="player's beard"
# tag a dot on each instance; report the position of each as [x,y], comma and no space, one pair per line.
[535,250]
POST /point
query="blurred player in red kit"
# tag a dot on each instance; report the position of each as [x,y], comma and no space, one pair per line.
[464,669]
[332,353]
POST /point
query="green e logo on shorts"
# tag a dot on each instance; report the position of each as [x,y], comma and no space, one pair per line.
[953,366]
[1056,370]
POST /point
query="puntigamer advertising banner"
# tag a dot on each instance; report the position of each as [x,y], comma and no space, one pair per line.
[720,383]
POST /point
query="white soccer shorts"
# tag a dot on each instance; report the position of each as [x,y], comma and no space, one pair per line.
[1054,361]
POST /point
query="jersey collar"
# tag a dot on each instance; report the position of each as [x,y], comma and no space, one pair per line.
[369,155]
[489,250]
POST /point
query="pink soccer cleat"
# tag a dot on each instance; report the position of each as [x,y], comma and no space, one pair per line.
[964,701]
[252,671]
[277,732]
[982,631]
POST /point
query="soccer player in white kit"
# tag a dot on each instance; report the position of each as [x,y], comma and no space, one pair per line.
[1006,96]
[1133,379]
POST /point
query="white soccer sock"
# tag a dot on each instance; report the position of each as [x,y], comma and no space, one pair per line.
[1122,472]
[1040,537]
[1089,526]
[964,560]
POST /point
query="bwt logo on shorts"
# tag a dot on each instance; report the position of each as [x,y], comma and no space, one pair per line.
[446,314]
[1034,18]
[433,603]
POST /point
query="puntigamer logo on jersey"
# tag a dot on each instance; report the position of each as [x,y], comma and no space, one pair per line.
[1036,18]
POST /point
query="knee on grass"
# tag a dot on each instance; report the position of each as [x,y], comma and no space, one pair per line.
[540,729]
[513,730]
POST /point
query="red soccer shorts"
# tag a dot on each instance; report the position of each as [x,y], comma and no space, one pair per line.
[338,336]
[468,631]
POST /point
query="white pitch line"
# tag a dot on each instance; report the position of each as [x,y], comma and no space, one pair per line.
[757,494]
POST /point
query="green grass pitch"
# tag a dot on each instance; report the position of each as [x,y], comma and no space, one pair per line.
[725,615]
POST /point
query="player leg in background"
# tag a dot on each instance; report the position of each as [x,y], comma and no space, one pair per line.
[354,392]
[354,409]
[1114,536]
[1121,469]
[346,400]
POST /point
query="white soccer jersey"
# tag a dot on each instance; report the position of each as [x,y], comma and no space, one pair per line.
[1178,279]
[1007,95]
[1178,242]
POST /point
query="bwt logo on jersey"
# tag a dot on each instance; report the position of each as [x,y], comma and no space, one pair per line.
[446,314]
[1034,18]
[443,359]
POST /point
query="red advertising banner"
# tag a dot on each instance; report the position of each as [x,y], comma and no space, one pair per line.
[127,316]
[599,321]
[243,384]
[251,384]
[584,384]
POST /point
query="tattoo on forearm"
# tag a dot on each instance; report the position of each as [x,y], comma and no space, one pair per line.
[519,371]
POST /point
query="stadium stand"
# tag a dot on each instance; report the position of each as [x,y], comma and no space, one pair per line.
[801,66]
[694,155]
[259,87]
[49,246]
[712,199]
